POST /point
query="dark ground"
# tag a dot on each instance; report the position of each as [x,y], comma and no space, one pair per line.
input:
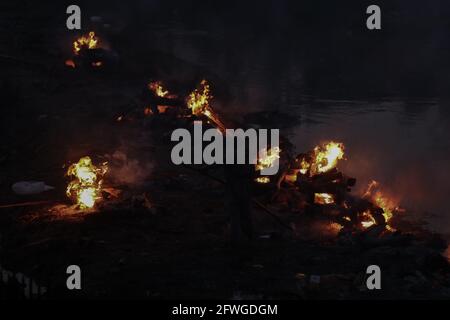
[52,115]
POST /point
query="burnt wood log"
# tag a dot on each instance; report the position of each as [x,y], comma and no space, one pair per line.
[358,206]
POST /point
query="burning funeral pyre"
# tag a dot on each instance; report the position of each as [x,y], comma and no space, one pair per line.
[266,160]
[313,175]
[86,186]
[88,51]
[308,226]
[157,88]
[85,42]
[326,191]
[309,184]
[158,99]
[199,104]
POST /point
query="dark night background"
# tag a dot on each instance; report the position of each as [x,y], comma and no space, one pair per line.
[383,93]
[325,43]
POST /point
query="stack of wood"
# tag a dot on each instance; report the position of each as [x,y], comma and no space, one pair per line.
[327,194]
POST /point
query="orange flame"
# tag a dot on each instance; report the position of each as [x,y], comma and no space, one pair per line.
[158,89]
[86,187]
[199,99]
[326,157]
[269,158]
[90,42]
[199,103]
[381,201]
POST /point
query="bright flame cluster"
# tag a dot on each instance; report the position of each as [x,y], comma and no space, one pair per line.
[87,183]
[158,89]
[199,101]
[90,42]
[324,158]
[380,200]
[268,158]
[327,157]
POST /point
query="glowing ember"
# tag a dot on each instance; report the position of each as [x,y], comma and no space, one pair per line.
[89,42]
[148,111]
[262,180]
[199,103]
[162,109]
[70,63]
[86,187]
[291,177]
[323,198]
[335,227]
[268,159]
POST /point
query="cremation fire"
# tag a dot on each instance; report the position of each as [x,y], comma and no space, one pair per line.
[265,161]
[86,187]
[323,158]
[268,158]
[157,88]
[327,157]
[88,42]
[327,191]
[199,103]
[199,99]
[374,194]
[163,96]
[88,52]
